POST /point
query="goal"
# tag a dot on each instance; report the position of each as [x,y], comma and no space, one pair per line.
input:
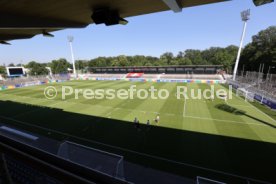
[248,96]
[202,180]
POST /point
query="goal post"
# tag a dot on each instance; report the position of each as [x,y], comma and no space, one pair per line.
[248,96]
[104,162]
[203,180]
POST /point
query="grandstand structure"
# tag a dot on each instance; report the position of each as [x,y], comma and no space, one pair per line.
[68,162]
[159,77]
[187,69]
[182,74]
[258,85]
[157,73]
[25,81]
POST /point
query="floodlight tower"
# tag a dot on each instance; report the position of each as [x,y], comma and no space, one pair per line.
[71,39]
[245,17]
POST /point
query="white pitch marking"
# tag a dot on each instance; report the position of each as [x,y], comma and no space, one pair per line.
[184,108]
[260,111]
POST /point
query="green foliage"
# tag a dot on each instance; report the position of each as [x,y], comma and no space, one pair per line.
[37,68]
[195,56]
[262,49]
[81,64]
[11,65]
[213,56]
[2,70]
[60,66]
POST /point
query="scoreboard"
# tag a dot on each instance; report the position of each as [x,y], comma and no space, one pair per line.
[15,71]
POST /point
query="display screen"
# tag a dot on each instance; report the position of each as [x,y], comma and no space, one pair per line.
[15,71]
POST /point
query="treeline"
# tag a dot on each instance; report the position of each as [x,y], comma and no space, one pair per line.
[57,66]
[262,49]
[212,56]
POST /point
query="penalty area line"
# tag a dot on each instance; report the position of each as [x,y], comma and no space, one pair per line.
[184,108]
[273,120]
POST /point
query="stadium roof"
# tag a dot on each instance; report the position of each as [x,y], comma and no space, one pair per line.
[27,18]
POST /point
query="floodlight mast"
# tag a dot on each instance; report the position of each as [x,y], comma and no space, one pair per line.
[71,39]
[245,17]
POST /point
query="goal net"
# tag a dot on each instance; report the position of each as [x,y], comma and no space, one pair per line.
[202,180]
[94,159]
[248,96]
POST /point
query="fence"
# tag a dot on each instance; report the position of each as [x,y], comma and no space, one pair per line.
[262,86]
[12,83]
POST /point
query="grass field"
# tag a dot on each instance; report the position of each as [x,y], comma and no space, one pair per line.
[202,132]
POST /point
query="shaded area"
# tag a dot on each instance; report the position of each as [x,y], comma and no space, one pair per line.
[233,110]
[265,109]
[154,147]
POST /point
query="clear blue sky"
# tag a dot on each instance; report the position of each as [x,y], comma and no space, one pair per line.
[196,28]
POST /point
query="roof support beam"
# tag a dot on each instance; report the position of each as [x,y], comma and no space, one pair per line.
[173,5]
[4,43]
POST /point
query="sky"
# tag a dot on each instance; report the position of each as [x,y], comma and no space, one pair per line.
[198,27]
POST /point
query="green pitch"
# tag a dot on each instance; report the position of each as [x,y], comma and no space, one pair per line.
[222,135]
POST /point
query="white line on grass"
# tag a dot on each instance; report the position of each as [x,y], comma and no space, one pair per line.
[263,113]
[259,110]
[184,108]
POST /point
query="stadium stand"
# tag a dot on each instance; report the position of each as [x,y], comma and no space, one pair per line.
[37,159]
[262,87]
[193,76]
[154,76]
[156,73]
[199,69]
[104,75]
[32,80]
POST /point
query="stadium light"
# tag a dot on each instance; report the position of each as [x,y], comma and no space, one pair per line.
[245,15]
[71,39]
[262,2]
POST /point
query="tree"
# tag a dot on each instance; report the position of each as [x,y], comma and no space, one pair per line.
[195,57]
[262,50]
[122,60]
[223,58]
[11,65]
[81,64]
[37,68]
[167,58]
[184,61]
[60,66]
[2,70]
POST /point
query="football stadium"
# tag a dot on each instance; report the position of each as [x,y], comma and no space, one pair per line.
[189,134]
[168,123]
